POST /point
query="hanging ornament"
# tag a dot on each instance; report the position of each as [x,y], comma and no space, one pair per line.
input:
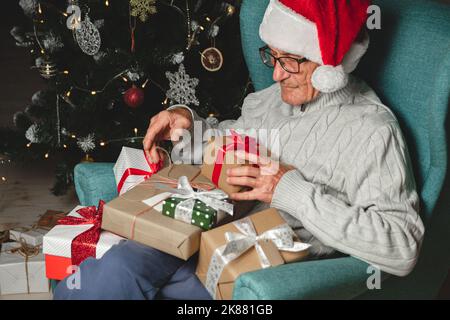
[142,8]
[134,97]
[182,87]
[47,68]
[177,58]
[29,7]
[88,37]
[87,143]
[212,120]
[212,59]
[52,42]
[32,133]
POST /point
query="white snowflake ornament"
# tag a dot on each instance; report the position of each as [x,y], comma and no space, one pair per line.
[143,8]
[182,87]
[32,133]
[87,143]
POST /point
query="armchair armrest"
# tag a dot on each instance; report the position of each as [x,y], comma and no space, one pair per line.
[94,181]
[341,278]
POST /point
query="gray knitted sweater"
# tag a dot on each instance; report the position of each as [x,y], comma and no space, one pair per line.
[353,189]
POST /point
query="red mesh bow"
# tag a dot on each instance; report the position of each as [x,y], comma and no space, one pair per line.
[84,245]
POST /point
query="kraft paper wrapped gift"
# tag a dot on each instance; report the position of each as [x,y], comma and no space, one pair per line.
[21,275]
[219,155]
[57,246]
[219,276]
[50,219]
[129,216]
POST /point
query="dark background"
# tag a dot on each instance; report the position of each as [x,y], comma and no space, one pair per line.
[17,81]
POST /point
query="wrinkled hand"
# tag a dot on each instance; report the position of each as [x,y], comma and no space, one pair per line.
[262,179]
[165,125]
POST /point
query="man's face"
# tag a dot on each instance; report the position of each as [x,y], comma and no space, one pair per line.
[296,88]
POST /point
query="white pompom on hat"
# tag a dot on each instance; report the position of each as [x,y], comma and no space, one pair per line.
[323,32]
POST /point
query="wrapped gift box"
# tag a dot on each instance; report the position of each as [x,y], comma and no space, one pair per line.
[32,236]
[203,216]
[58,242]
[20,276]
[136,214]
[219,277]
[219,155]
[50,219]
[131,168]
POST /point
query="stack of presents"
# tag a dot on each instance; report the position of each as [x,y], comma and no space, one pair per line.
[178,209]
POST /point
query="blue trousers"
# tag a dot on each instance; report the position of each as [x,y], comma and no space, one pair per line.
[130,270]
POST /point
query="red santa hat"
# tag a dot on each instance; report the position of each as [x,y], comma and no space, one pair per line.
[323,31]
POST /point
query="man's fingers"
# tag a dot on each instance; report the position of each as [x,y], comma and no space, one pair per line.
[243,171]
[151,135]
[154,155]
[242,181]
[161,154]
[244,196]
[252,158]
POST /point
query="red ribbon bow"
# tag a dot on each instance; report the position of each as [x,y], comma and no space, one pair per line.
[84,245]
[154,167]
[248,144]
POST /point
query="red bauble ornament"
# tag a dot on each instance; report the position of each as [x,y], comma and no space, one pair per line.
[134,97]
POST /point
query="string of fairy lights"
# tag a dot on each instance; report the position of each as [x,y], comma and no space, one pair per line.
[47,71]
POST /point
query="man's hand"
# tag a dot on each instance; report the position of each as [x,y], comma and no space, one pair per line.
[263,179]
[165,125]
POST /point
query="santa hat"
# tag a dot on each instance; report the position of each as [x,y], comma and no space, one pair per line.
[323,31]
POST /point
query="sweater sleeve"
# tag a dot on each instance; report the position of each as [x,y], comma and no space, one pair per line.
[381,225]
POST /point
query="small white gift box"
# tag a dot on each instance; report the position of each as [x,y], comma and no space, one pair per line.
[32,237]
[19,274]
[131,168]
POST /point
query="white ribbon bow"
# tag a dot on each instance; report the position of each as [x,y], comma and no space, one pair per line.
[213,198]
[237,243]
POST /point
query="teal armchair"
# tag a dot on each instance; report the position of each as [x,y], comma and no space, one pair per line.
[408,65]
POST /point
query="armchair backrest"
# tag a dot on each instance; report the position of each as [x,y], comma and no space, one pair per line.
[407,64]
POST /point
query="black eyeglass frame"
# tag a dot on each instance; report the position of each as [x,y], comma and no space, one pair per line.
[263,51]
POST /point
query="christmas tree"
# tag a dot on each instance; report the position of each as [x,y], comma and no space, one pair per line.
[110,65]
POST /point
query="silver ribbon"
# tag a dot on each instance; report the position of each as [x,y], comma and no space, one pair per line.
[185,209]
[238,243]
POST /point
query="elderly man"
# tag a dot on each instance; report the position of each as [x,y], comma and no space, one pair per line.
[347,185]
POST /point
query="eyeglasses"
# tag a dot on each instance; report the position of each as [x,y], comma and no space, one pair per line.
[289,64]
